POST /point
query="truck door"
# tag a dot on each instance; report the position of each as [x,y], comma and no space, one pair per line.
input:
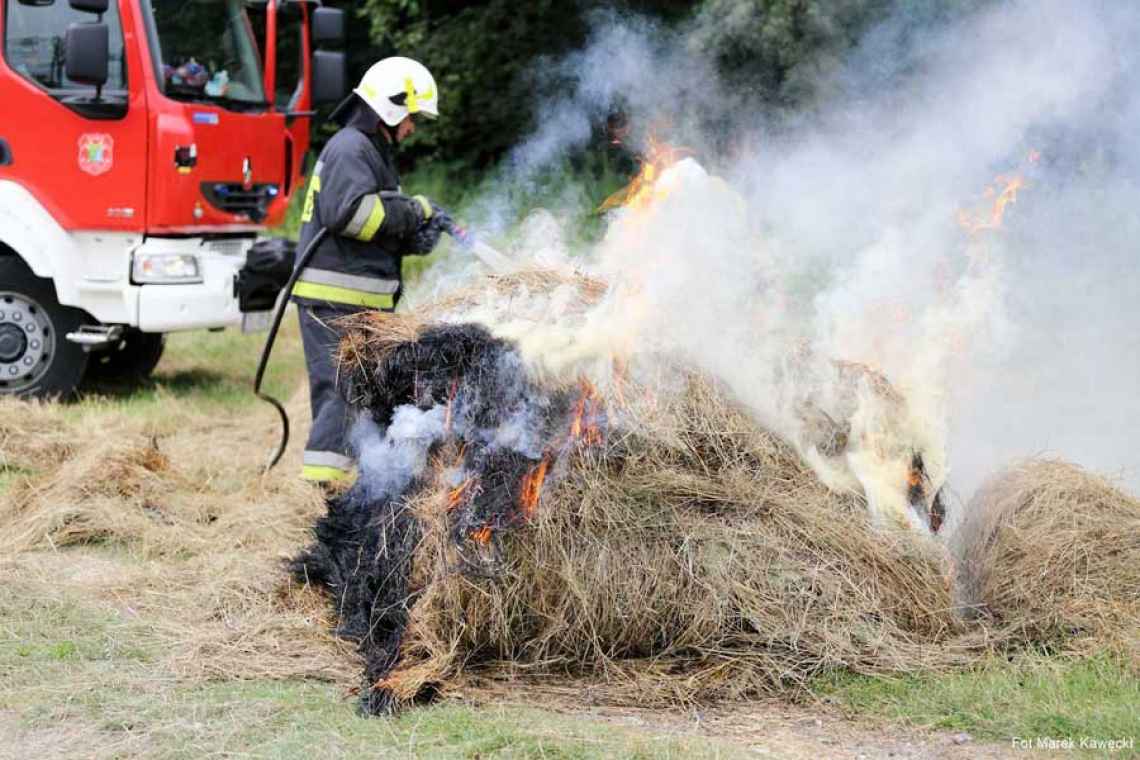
[83,158]
[292,85]
[282,32]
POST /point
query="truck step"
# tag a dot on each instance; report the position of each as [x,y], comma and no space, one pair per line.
[96,336]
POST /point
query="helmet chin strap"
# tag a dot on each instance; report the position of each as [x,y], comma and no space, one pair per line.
[390,132]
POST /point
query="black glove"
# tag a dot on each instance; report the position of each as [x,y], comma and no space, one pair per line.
[459,234]
[426,237]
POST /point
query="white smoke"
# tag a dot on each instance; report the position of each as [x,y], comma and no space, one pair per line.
[840,240]
[390,458]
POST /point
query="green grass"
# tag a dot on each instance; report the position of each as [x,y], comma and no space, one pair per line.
[1032,695]
[207,370]
[297,719]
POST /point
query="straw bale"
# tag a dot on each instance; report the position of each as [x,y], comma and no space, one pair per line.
[1052,552]
[689,556]
[694,557]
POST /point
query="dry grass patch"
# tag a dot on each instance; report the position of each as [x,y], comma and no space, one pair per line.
[196,536]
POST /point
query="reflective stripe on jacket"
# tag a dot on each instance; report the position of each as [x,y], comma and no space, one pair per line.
[354,192]
[351,289]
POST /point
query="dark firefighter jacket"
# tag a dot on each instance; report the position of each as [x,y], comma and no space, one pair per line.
[354,191]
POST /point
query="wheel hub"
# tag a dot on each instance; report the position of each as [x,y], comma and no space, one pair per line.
[13,343]
[27,341]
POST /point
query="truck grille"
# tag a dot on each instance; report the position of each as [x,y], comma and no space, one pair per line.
[232,198]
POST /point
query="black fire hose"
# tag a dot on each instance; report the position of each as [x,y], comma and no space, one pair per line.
[282,302]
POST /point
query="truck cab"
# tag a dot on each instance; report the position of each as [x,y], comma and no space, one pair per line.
[145,145]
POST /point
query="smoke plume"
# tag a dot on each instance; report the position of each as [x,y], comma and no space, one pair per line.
[957,217]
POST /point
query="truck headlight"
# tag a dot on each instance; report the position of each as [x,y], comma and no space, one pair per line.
[166,268]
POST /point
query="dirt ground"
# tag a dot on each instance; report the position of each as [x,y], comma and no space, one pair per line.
[772,728]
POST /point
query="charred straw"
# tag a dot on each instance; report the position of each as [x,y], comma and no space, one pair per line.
[498,422]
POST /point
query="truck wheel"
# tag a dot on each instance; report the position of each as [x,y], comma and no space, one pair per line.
[132,359]
[36,359]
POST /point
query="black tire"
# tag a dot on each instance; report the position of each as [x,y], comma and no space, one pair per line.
[132,359]
[36,359]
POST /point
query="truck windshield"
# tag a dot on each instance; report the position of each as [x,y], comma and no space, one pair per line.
[205,50]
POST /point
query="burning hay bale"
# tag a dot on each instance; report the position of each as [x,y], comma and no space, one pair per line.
[661,542]
[1053,552]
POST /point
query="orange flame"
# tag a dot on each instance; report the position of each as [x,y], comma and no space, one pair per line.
[532,488]
[640,191]
[973,224]
[456,496]
[1010,185]
[584,425]
[482,535]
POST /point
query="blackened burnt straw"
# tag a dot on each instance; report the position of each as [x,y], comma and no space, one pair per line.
[452,403]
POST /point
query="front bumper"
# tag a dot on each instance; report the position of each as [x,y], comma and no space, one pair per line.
[211,303]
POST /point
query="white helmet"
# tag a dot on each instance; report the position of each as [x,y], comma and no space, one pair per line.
[396,87]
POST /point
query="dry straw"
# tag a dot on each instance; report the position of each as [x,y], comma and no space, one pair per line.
[1052,553]
[195,538]
[692,556]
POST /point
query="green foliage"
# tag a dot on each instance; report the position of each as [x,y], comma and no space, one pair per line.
[491,60]
[783,52]
[495,60]
[572,190]
[483,56]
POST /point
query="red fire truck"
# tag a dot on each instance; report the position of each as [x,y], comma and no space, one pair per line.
[144,145]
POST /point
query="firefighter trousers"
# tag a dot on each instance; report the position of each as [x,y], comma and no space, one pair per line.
[327,456]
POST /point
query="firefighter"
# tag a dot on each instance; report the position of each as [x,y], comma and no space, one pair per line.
[354,192]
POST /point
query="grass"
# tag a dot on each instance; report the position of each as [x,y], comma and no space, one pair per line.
[208,370]
[1032,695]
[84,672]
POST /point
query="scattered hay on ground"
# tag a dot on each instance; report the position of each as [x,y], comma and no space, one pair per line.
[31,437]
[192,537]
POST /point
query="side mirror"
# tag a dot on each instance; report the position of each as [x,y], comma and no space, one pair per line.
[328,27]
[330,77]
[90,6]
[86,53]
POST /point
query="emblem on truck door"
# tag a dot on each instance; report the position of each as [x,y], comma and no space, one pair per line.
[96,153]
